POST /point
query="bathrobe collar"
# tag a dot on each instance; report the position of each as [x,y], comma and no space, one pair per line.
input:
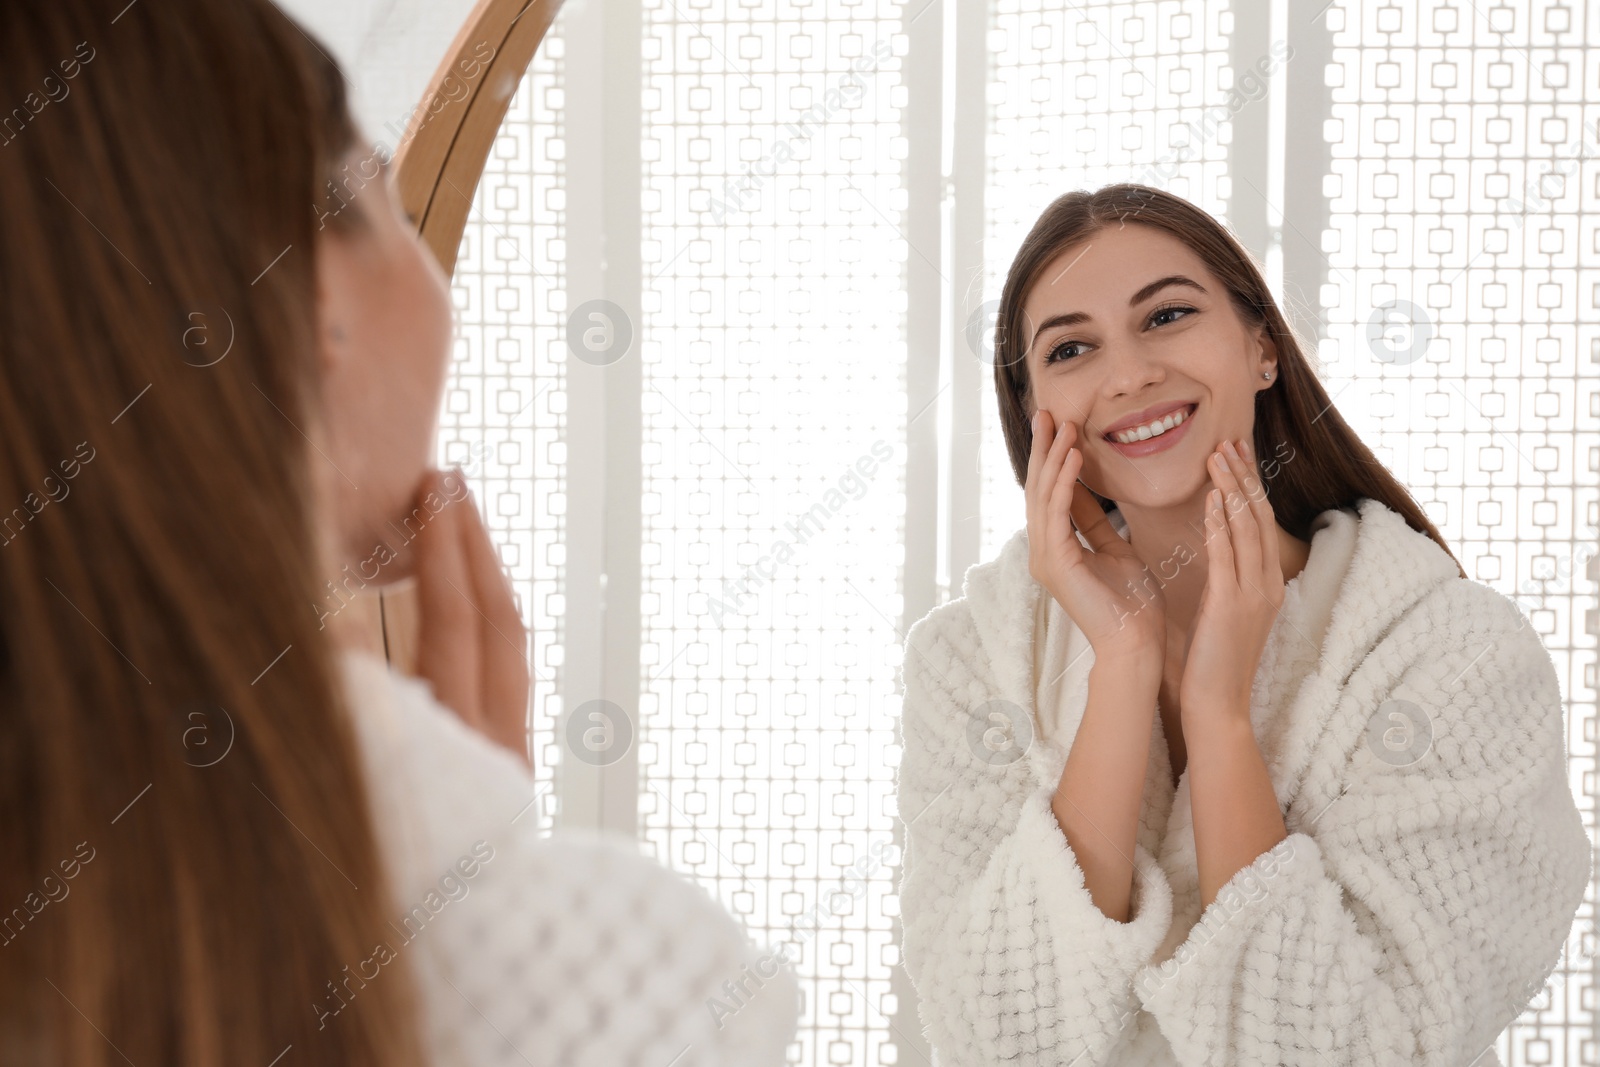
[1391,569]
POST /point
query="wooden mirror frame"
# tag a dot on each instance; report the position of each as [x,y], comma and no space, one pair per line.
[438,165]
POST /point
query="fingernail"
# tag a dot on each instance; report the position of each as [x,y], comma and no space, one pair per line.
[1249,449]
[1231,450]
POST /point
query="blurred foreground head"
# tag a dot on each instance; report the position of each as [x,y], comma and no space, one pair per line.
[190,867]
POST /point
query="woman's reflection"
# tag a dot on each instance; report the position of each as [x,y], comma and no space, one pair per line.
[1195,775]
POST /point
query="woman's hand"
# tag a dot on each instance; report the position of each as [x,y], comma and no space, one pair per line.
[1108,592]
[471,640]
[1243,591]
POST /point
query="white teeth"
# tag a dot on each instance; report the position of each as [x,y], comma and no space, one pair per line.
[1154,429]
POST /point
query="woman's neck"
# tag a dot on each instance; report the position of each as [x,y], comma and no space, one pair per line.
[1171,541]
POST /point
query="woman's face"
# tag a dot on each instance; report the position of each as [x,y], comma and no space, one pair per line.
[1129,324]
[384,334]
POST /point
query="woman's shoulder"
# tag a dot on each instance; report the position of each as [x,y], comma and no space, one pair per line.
[1406,576]
[542,934]
[423,758]
[994,610]
[1394,573]
[440,790]
[1465,619]
[1412,636]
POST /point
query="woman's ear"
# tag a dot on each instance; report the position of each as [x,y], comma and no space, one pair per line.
[1267,357]
[332,305]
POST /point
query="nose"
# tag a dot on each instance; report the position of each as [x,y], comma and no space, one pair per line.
[1129,372]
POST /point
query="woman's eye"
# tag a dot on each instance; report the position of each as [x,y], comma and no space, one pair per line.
[1064,350]
[1163,311]
[1055,354]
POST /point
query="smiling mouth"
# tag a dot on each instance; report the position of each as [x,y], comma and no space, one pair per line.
[1161,426]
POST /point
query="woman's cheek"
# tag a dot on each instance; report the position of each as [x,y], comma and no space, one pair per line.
[432,293]
[420,331]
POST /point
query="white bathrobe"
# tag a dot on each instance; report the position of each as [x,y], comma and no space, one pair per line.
[572,949]
[1411,722]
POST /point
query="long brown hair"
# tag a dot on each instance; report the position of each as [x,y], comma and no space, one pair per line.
[1316,460]
[191,871]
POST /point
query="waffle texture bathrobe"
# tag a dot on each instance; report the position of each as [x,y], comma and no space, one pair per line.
[573,949]
[1412,725]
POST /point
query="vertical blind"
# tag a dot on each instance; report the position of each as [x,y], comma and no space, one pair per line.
[723,383]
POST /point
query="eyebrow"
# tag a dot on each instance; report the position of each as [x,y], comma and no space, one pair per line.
[1072,318]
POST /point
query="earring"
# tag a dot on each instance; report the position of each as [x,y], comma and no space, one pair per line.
[1266,374]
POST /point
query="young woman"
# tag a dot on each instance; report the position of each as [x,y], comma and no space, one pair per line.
[228,836]
[1194,775]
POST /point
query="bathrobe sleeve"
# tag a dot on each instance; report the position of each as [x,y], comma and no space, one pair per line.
[1011,959]
[1429,887]
[528,948]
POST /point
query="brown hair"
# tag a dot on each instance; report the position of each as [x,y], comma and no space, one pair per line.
[191,873]
[1329,466]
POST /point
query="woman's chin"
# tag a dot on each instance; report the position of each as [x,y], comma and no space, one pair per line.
[383,565]
[400,569]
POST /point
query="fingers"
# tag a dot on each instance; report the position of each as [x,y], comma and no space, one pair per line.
[1044,471]
[1092,522]
[1244,534]
[1063,495]
[1039,447]
[1057,440]
[1266,518]
[1056,486]
[447,639]
[1060,506]
[1220,572]
[503,646]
